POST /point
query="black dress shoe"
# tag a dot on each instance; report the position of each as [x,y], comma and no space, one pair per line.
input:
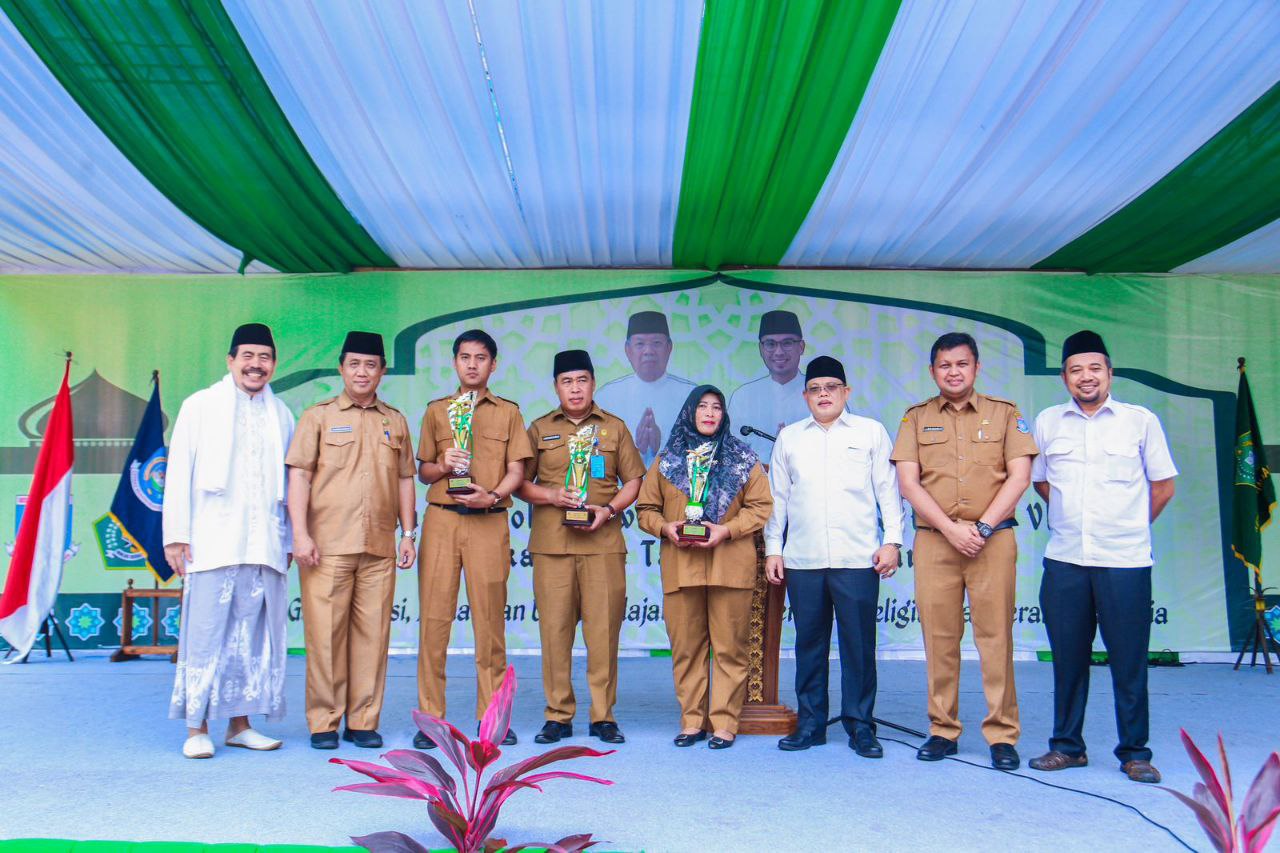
[802,739]
[718,742]
[607,731]
[864,743]
[936,748]
[552,732]
[366,738]
[689,740]
[421,741]
[1004,756]
[324,740]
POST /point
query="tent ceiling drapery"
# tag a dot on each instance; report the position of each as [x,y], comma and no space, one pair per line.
[322,135]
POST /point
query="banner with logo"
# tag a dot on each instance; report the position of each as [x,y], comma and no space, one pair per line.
[880,325]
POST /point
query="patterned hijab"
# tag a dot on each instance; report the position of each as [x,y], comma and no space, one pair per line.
[733,457]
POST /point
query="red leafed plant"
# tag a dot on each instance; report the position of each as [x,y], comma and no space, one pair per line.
[467,822]
[1211,800]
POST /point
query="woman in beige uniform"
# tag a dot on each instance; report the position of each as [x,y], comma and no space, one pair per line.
[707,585]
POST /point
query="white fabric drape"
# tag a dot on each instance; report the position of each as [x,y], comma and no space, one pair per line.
[1258,252]
[69,200]
[595,98]
[392,100]
[996,131]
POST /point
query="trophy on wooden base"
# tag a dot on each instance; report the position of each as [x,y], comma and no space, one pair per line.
[582,445]
[699,461]
[461,411]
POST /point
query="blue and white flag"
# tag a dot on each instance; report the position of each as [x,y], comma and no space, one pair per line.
[140,494]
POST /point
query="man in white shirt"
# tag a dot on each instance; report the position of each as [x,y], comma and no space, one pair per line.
[1106,474]
[226,531]
[777,398]
[830,473]
[649,399]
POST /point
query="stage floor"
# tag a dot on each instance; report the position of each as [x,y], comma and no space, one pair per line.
[86,752]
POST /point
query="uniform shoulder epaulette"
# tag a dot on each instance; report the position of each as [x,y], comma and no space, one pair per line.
[1008,403]
[505,400]
[391,407]
[543,415]
[920,404]
[441,399]
[325,402]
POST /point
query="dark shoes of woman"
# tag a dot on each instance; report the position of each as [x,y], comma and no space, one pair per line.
[689,740]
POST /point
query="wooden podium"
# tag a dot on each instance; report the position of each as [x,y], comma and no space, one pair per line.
[763,714]
[128,649]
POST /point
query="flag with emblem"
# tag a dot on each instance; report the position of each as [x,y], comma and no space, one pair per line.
[35,572]
[1253,493]
[136,508]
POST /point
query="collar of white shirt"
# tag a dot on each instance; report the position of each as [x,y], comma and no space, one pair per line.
[1108,405]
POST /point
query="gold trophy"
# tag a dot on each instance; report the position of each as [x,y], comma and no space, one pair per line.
[461,410]
[582,445]
[699,459]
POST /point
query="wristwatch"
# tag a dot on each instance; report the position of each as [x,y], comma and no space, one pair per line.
[497,498]
[409,534]
[984,529]
[613,513]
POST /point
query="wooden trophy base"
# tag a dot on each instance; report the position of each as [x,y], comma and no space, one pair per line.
[578,517]
[458,486]
[689,532]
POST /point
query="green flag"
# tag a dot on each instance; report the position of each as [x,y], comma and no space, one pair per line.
[1254,495]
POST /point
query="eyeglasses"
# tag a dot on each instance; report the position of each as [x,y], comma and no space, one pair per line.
[826,388]
[786,345]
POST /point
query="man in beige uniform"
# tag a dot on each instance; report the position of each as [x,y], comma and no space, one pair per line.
[964,460]
[579,572]
[469,529]
[350,479]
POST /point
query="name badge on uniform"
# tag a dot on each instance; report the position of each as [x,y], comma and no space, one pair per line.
[597,466]
[933,429]
[551,437]
[340,429]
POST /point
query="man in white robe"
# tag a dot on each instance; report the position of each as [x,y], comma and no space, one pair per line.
[649,399]
[226,532]
[777,398]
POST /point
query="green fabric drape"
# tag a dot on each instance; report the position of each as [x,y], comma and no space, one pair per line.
[1228,188]
[172,85]
[776,89]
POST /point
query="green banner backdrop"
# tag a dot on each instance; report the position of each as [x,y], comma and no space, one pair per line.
[1174,341]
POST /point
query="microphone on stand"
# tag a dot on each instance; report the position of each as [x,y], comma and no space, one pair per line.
[750,430]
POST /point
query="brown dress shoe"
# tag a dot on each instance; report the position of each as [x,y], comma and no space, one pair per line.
[1140,771]
[1054,760]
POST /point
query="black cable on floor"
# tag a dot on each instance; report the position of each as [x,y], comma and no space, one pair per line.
[1103,797]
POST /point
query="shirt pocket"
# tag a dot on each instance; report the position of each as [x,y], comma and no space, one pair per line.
[855,465]
[335,450]
[935,449]
[492,442]
[989,450]
[1121,460]
[389,449]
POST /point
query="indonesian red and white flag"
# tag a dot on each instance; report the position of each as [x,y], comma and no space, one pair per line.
[35,571]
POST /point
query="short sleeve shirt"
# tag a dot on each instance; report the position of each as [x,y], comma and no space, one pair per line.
[620,462]
[498,439]
[963,452]
[357,457]
[1099,469]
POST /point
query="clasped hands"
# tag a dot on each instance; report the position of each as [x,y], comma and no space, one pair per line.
[562,497]
[718,533]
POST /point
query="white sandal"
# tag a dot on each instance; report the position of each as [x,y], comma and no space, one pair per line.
[250,739]
[198,746]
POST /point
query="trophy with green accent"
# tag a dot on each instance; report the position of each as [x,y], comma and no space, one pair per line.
[699,461]
[461,411]
[582,445]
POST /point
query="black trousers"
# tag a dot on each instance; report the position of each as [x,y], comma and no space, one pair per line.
[850,596]
[1076,601]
